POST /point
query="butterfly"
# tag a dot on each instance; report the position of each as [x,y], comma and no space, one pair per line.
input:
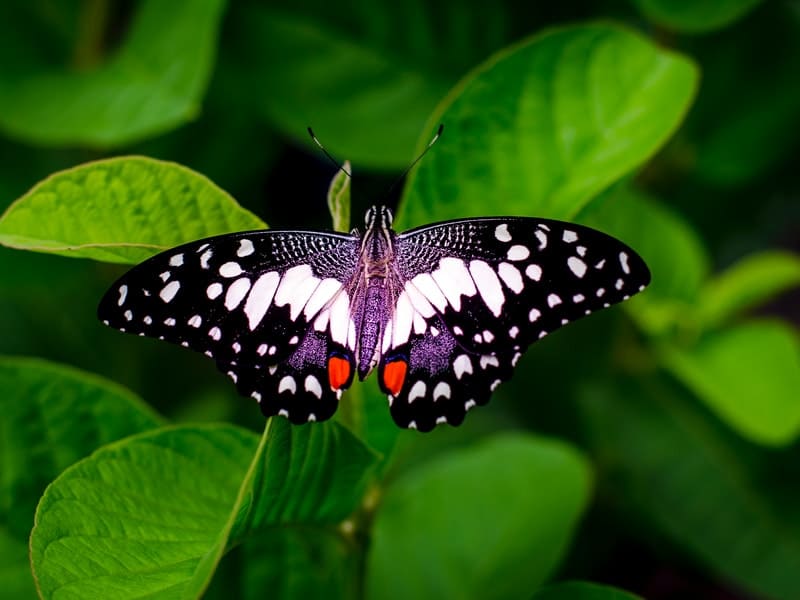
[443,312]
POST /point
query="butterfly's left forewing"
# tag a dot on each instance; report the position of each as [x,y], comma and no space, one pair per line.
[258,302]
[480,292]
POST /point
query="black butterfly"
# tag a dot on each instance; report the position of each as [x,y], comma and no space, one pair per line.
[443,311]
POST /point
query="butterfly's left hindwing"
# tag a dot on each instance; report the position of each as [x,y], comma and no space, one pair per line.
[480,292]
[251,301]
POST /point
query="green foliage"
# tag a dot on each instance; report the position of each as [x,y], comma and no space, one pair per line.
[669,426]
[531,490]
[139,91]
[121,210]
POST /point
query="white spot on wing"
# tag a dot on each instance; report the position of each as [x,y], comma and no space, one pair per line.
[488,285]
[511,277]
[442,390]
[454,280]
[245,248]
[128,315]
[296,287]
[205,257]
[321,296]
[534,272]
[123,293]
[262,349]
[462,365]
[418,301]
[260,298]
[169,291]
[542,237]
[230,269]
[403,317]
[428,287]
[570,236]
[340,318]
[164,276]
[578,298]
[287,383]
[518,252]
[553,300]
[577,266]
[236,292]
[501,233]
[417,391]
[534,315]
[513,332]
[176,261]
[487,361]
[195,321]
[213,291]
[214,333]
[312,385]
[623,261]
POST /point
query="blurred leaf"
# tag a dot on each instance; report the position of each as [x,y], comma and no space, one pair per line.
[153,83]
[351,70]
[668,461]
[690,16]
[670,247]
[339,199]
[50,416]
[140,517]
[749,375]
[490,521]
[545,125]
[121,210]
[582,590]
[751,281]
[748,111]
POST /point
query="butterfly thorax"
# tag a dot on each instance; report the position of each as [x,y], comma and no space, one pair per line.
[374,287]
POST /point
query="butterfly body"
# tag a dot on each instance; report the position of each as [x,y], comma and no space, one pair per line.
[442,312]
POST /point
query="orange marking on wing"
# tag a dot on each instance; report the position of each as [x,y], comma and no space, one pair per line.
[338,372]
[394,374]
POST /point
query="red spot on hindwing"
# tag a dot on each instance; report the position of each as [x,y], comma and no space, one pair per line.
[338,372]
[394,375]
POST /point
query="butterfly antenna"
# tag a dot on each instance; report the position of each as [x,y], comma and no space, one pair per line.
[416,160]
[330,158]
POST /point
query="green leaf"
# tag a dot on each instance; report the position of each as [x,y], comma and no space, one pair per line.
[140,517]
[668,461]
[365,79]
[543,126]
[490,521]
[695,17]
[751,281]
[50,416]
[581,590]
[670,247]
[749,375]
[339,199]
[153,83]
[121,210]
[161,508]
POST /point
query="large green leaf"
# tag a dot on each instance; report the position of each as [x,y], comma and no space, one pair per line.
[50,417]
[491,521]
[121,210]
[365,77]
[749,375]
[543,126]
[139,517]
[665,459]
[752,280]
[153,83]
[695,17]
[161,508]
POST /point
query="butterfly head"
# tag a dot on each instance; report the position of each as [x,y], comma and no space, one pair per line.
[378,217]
